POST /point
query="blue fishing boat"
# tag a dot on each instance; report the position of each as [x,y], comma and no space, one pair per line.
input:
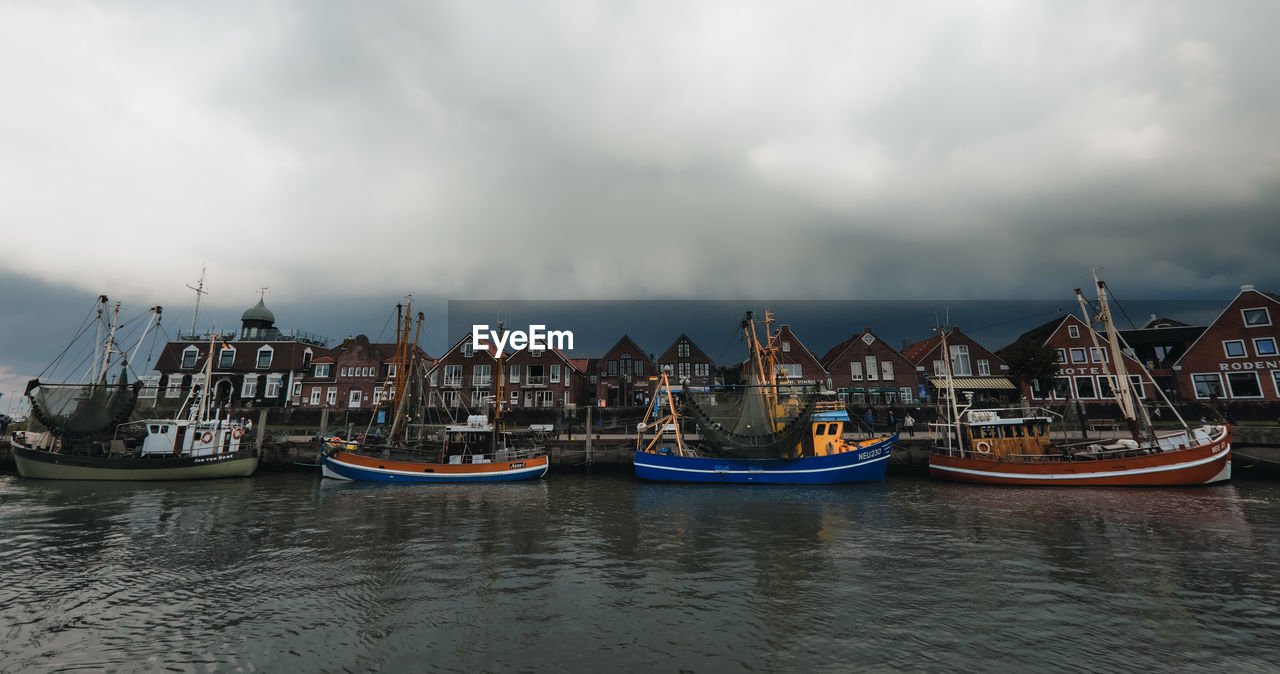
[763,432]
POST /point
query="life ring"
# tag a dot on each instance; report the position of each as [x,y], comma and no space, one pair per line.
[983,447]
[207,437]
[335,441]
[237,433]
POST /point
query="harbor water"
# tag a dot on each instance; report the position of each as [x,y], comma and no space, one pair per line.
[286,572]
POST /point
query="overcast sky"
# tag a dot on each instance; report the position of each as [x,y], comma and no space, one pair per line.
[345,154]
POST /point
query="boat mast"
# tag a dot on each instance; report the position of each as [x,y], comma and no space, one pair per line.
[109,347]
[1124,394]
[952,408]
[155,317]
[199,291]
[497,399]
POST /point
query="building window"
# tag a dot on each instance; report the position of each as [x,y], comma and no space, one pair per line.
[264,358]
[1099,355]
[1244,385]
[1207,385]
[431,378]
[1256,318]
[331,396]
[790,370]
[855,370]
[1135,382]
[189,356]
[273,387]
[515,374]
[297,390]
[684,370]
[315,395]
[536,353]
[452,375]
[960,360]
[1084,388]
[870,369]
[150,386]
[1106,387]
[1061,388]
[613,368]
[905,392]
[323,369]
[1264,346]
[1073,331]
[249,389]
[702,369]
[479,398]
[354,398]
[786,347]
[515,398]
[306,358]
[467,350]
[555,374]
[1077,356]
[984,367]
[886,370]
[174,388]
[377,395]
[1062,355]
[1275,376]
[534,376]
[938,370]
[450,398]
[1234,348]
[480,376]
[682,349]
[226,358]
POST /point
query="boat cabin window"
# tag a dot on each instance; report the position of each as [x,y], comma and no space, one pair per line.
[833,429]
[1006,431]
[821,429]
[1018,431]
[154,429]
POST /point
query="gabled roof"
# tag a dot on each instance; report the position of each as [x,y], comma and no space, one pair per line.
[917,352]
[1273,297]
[695,352]
[1041,333]
[626,339]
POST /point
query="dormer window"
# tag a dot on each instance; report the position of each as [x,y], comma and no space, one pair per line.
[322,370]
[226,358]
[306,357]
[264,357]
[189,357]
[467,350]
[536,353]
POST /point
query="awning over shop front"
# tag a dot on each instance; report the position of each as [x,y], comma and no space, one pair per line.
[974,383]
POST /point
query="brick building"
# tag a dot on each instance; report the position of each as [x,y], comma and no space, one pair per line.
[974,369]
[622,375]
[542,379]
[463,377]
[687,362]
[867,369]
[258,366]
[1236,357]
[1085,372]
[356,374]
[798,362]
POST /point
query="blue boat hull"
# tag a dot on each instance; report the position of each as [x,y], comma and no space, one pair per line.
[867,464]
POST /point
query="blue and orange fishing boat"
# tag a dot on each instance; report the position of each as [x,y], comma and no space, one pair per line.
[763,432]
[477,451]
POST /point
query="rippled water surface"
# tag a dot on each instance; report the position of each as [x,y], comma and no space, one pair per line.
[284,571]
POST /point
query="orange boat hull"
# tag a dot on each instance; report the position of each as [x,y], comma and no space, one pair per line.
[1203,464]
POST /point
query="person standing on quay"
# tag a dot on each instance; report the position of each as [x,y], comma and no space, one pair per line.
[909,423]
[870,420]
[893,422]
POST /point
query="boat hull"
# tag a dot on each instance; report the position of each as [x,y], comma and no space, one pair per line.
[1203,464]
[344,465]
[42,465]
[866,464]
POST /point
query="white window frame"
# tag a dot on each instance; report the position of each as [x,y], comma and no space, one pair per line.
[555,374]
[249,387]
[1231,390]
[231,350]
[514,376]
[274,383]
[1226,348]
[315,396]
[481,375]
[331,396]
[195,357]
[467,350]
[960,355]
[1244,319]
[886,370]
[939,368]
[1264,340]
[786,347]
[1075,383]
[450,398]
[984,367]
[1139,386]
[1222,385]
[855,370]
[322,370]
[869,368]
[1275,381]
[150,386]
[258,360]
[682,349]
[1084,355]
[173,388]
[702,369]
[354,397]
[1062,355]
[297,390]
[452,375]
[1073,331]
[1098,354]
[377,395]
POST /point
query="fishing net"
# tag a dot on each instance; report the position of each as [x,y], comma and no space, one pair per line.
[752,422]
[74,411]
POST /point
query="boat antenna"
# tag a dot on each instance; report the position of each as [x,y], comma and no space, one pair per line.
[199,289]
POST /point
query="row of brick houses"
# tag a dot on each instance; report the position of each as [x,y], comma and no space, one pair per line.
[1234,358]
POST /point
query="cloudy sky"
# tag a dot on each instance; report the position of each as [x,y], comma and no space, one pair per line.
[344,154]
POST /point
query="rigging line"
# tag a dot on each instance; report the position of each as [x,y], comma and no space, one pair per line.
[84,326]
[1015,320]
[1116,300]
